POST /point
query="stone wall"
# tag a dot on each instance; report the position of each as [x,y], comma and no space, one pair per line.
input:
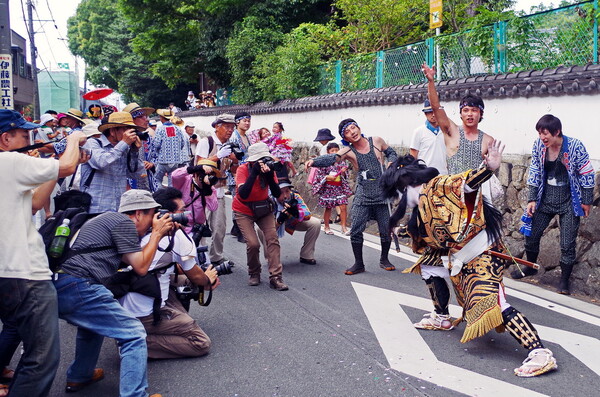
[585,279]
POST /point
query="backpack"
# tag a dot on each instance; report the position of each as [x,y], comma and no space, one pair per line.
[77,217]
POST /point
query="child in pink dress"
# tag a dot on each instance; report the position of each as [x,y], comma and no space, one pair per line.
[331,183]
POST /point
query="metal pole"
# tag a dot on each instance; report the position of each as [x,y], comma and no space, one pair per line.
[33,52]
[438,56]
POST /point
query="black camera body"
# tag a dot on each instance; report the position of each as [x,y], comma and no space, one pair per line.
[180,217]
[275,166]
[236,150]
[194,136]
[143,135]
[200,230]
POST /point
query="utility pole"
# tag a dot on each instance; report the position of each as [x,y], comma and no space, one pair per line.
[33,52]
[6,83]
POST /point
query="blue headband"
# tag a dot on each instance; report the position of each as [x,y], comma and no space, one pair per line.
[137,113]
[348,124]
[237,119]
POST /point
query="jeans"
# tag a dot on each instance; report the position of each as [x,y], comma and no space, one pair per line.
[92,307]
[30,306]
[162,169]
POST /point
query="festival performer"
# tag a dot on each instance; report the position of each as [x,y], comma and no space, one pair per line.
[455,227]
[367,156]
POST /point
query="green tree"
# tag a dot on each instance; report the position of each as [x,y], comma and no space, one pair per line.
[100,35]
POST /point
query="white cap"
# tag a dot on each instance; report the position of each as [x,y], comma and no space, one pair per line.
[46,118]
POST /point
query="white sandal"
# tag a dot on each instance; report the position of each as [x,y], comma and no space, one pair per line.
[540,360]
[435,322]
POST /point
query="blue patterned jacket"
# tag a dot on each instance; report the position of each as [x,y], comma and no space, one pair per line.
[577,162]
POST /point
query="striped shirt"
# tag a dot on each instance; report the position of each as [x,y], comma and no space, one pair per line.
[170,145]
[108,229]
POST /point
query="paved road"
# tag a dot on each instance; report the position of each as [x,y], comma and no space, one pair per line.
[338,335]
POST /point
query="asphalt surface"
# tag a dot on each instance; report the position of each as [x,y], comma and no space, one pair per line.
[316,340]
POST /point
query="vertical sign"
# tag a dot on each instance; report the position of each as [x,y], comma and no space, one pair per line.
[435,14]
[6,86]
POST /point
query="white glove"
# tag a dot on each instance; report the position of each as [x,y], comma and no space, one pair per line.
[225,151]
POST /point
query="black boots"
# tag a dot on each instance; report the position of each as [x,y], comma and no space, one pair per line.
[384,262]
[527,271]
[359,265]
[565,274]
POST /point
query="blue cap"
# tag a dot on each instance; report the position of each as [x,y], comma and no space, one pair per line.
[427,106]
[11,120]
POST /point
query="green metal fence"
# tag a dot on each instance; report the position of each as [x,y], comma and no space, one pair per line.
[565,36]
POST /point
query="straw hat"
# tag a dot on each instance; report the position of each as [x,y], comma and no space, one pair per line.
[75,113]
[119,119]
[212,164]
[132,107]
[166,113]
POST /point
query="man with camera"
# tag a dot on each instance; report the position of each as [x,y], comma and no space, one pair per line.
[170,146]
[140,118]
[103,243]
[293,215]
[216,148]
[176,334]
[114,158]
[27,297]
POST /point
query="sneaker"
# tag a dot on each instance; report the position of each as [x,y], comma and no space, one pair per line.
[254,280]
[278,284]
[97,376]
[435,322]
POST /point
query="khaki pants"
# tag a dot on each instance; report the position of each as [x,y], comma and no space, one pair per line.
[312,227]
[267,225]
[176,335]
[217,220]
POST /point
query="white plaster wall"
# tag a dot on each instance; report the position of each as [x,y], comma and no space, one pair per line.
[510,120]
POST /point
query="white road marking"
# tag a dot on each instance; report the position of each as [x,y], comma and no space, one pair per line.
[407,352]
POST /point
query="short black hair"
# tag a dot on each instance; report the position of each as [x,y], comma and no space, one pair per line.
[52,112]
[166,196]
[332,145]
[550,123]
[472,100]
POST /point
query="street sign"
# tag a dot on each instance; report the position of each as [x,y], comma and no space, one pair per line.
[6,84]
[64,65]
[435,14]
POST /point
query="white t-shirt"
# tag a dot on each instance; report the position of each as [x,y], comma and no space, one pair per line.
[184,253]
[202,150]
[431,147]
[22,251]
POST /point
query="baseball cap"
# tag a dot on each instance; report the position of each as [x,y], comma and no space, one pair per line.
[137,199]
[11,120]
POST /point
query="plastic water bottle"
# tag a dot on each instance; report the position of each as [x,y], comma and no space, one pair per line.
[60,239]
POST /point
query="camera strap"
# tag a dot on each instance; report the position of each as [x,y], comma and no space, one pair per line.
[194,198]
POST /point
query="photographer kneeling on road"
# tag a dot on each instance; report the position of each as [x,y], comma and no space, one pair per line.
[177,334]
[293,215]
[114,159]
[85,302]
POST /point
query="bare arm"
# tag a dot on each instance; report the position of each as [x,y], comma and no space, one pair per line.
[70,158]
[414,153]
[141,260]
[207,279]
[41,195]
[447,125]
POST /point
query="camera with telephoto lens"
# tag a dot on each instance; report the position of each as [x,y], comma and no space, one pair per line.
[143,135]
[273,165]
[235,149]
[222,269]
[180,217]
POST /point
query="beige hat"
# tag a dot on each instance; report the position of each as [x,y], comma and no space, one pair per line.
[132,107]
[75,113]
[166,113]
[137,199]
[258,151]
[90,129]
[224,118]
[119,119]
